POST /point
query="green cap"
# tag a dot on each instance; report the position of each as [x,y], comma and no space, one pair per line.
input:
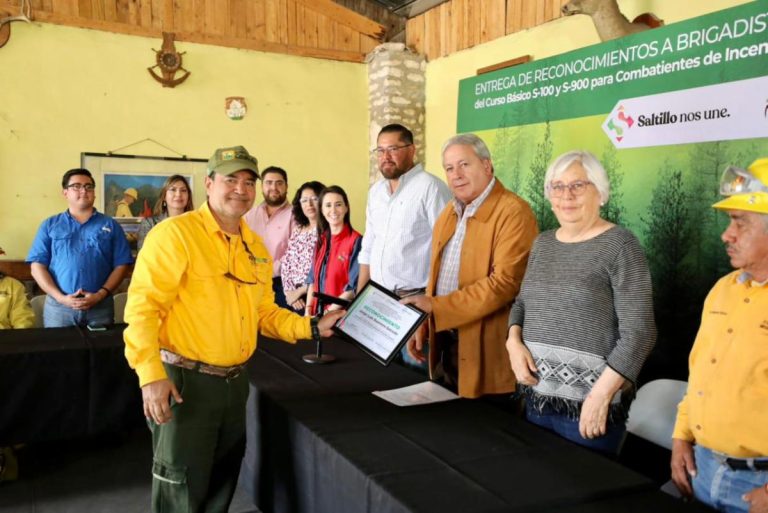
[226,161]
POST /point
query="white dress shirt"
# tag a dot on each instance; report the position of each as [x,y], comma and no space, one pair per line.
[398,228]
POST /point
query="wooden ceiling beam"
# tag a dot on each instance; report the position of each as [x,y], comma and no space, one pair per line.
[346,17]
[196,37]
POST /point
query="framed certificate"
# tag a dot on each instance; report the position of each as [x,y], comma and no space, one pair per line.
[378,323]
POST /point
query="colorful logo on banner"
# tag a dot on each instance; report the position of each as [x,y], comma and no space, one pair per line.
[618,122]
[720,112]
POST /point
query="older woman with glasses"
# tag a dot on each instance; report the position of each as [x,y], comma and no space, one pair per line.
[175,198]
[297,260]
[582,325]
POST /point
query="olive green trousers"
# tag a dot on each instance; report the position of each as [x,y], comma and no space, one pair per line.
[197,455]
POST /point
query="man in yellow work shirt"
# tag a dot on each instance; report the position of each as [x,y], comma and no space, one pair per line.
[720,441]
[130,195]
[200,292]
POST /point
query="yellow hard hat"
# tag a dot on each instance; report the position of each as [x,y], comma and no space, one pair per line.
[130,191]
[745,189]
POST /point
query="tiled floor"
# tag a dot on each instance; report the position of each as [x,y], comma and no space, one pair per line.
[96,476]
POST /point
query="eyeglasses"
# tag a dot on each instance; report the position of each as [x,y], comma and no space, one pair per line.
[380,152]
[577,188]
[230,275]
[739,181]
[87,187]
[313,199]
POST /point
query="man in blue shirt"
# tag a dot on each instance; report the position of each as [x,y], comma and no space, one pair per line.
[78,258]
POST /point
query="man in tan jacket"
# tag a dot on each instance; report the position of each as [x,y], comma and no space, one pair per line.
[480,246]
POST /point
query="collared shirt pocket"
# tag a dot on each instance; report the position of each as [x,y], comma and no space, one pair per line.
[62,240]
[202,280]
[100,241]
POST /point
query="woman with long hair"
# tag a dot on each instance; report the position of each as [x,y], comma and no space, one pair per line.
[335,268]
[175,198]
[297,261]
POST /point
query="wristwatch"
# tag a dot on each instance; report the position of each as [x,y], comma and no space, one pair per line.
[313,323]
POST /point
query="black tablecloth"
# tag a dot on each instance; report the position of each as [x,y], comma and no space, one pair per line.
[318,441]
[61,383]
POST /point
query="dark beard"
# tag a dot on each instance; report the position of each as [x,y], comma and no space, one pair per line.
[275,203]
[394,174]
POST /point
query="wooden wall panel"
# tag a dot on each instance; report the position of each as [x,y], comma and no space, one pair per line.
[344,38]
[257,21]
[529,14]
[282,21]
[314,28]
[367,44]
[84,8]
[492,12]
[310,27]
[465,23]
[447,37]
[110,10]
[121,10]
[270,20]
[457,26]
[514,16]
[145,13]
[415,34]
[65,7]
[97,9]
[432,32]
[238,19]
[325,32]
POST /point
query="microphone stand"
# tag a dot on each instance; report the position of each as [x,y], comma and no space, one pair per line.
[319,357]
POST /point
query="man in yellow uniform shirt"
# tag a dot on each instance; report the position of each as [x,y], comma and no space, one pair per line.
[720,441]
[15,310]
[201,291]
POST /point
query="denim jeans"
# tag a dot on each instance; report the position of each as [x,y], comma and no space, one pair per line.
[411,362]
[609,443]
[56,315]
[719,487]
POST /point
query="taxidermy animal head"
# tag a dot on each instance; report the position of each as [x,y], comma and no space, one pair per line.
[608,20]
[6,18]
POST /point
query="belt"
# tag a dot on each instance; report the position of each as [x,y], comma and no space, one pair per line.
[748,464]
[756,464]
[401,293]
[203,368]
[451,335]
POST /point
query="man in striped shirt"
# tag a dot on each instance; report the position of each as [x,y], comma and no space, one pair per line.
[402,209]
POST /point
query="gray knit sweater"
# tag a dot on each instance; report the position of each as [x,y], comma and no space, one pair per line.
[583,306]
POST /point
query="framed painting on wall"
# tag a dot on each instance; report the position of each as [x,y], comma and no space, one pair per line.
[130,195]
[128,186]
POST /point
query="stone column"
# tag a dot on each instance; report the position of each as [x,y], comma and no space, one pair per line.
[395,95]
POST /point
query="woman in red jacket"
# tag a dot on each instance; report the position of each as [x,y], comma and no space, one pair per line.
[335,268]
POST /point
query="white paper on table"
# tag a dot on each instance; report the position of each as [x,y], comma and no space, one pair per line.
[420,393]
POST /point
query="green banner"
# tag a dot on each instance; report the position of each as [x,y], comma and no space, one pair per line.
[724,46]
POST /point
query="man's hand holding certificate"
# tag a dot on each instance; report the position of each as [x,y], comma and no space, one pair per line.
[378,323]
